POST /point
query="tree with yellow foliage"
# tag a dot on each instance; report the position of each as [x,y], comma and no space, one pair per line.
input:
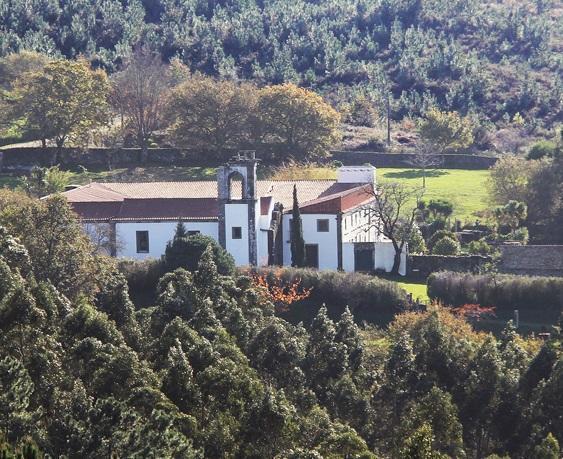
[446,131]
[297,121]
[63,101]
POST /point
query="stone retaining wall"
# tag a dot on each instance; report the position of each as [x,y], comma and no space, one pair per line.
[449,161]
[422,266]
[533,260]
[20,160]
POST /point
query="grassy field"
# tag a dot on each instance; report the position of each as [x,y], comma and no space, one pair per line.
[417,289]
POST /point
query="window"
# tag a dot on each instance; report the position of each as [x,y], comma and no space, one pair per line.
[322,225]
[236,232]
[193,233]
[142,242]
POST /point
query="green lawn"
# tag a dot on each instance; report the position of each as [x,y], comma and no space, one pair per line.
[417,289]
[464,188]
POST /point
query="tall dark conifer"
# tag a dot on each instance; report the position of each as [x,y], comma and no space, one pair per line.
[297,241]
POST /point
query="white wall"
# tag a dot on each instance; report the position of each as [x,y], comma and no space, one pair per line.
[159,235]
[357,226]
[348,261]
[327,242]
[385,255]
[237,215]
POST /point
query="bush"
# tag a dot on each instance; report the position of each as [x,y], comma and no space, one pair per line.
[185,252]
[367,297]
[142,278]
[542,149]
[440,234]
[446,246]
[479,247]
[502,291]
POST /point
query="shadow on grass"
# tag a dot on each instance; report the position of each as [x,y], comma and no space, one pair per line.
[415,173]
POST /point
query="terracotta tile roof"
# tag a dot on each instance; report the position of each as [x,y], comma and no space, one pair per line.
[340,201]
[195,199]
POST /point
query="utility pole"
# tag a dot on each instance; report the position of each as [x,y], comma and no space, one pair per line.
[388,119]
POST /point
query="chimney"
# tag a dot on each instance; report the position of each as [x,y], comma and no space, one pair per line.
[356,174]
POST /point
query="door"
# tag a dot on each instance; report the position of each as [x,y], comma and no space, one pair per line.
[363,257]
[312,255]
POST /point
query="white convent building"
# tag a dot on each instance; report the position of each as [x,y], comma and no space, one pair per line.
[250,218]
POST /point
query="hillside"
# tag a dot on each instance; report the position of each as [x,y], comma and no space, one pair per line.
[489,59]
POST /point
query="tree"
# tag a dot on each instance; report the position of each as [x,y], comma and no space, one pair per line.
[140,94]
[65,100]
[394,209]
[548,448]
[298,121]
[296,234]
[16,388]
[185,252]
[510,177]
[446,131]
[511,214]
[446,246]
[425,157]
[212,115]
[58,247]
[45,180]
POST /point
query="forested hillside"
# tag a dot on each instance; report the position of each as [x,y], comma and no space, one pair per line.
[493,59]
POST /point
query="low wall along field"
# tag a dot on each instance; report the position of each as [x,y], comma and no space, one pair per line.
[22,159]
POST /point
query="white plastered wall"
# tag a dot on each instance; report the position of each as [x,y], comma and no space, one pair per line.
[159,235]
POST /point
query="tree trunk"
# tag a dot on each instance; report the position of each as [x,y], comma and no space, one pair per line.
[144,153]
[396,258]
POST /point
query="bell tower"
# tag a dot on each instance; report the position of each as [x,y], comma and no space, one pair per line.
[237,199]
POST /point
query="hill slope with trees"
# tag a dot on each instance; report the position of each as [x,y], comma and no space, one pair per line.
[497,60]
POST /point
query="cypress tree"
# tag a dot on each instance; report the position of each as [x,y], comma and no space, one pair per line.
[297,241]
[180,230]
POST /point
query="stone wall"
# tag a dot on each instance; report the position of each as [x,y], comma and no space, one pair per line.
[422,266]
[449,161]
[533,260]
[20,160]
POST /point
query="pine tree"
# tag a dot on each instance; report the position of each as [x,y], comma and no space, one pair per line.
[297,241]
[548,448]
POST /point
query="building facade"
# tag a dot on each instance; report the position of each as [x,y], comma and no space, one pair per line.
[250,218]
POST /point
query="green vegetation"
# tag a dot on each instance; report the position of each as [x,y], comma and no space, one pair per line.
[497,60]
[212,369]
[416,289]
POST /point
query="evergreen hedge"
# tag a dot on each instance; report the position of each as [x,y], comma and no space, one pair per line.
[369,298]
[503,291]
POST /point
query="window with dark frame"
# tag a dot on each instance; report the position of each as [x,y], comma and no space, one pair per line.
[193,232]
[237,232]
[322,225]
[142,242]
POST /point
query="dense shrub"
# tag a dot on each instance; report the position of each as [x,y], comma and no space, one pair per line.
[142,275]
[501,291]
[542,149]
[479,247]
[446,246]
[367,297]
[185,252]
[440,234]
